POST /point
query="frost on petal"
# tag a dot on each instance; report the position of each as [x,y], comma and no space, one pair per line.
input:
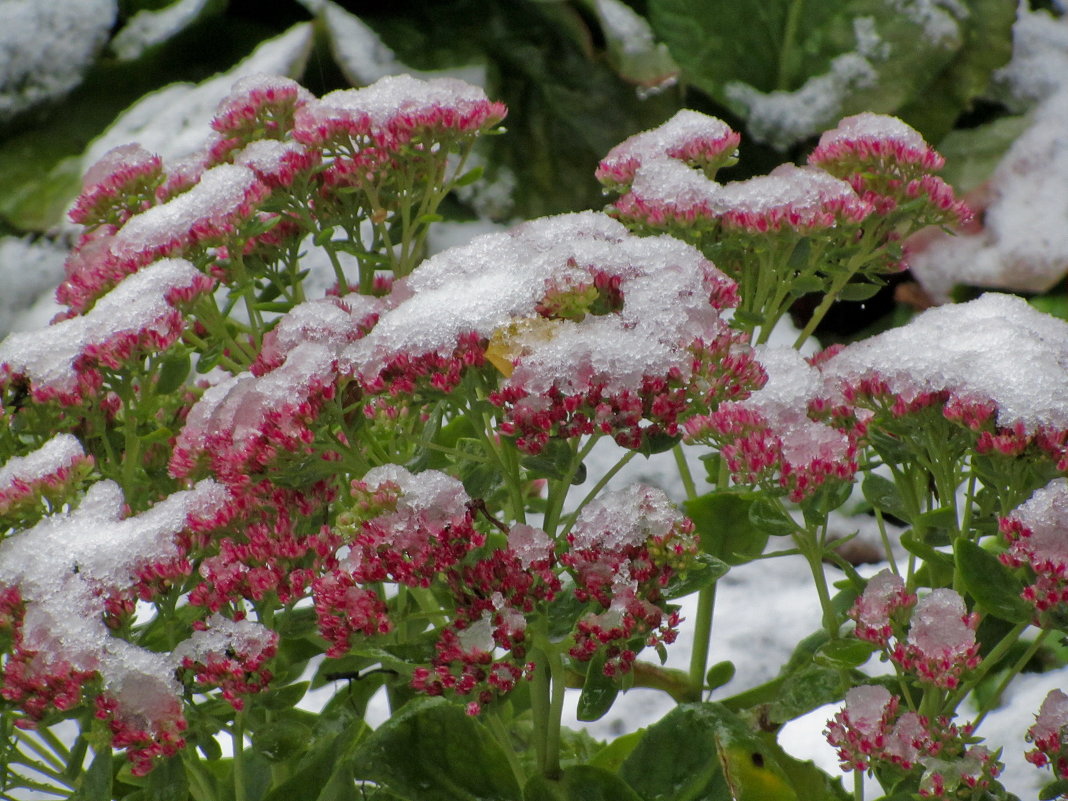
[938,626]
[884,594]
[996,348]
[530,544]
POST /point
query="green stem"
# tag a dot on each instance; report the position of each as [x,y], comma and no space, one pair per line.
[684,472]
[808,545]
[238,736]
[702,636]
[556,711]
[992,658]
[1011,674]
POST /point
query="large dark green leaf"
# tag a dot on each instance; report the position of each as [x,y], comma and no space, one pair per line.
[987,46]
[677,760]
[993,585]
[431,750]
[580,783]
[722,521]
[792,68]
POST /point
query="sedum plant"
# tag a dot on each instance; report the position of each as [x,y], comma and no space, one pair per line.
[269,447]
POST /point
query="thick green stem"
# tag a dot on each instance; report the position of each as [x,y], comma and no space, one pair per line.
[238,736]
[996,654]
[702,637]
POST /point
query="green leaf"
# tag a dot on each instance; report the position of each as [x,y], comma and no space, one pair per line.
[706,572]
[282,697]
[433,751]
[993,585]
[612,755]
[987,46]
[844,653]
[769,516]
[806,689]
[719,674]
[1054,790]
[95,784]
[281,740]
[166,782]
[857,292]
[883,494]
[751,57]
[469,177]
[972,153]
[676,759]
[598,692]
[911,543]
[727,532]
[580,783]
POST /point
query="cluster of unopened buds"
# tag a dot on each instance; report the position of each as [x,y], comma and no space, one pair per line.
[625,548]
[940,645]
[873,732]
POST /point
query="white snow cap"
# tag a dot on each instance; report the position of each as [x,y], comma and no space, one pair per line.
[994,348]
[498,279]
[138,303]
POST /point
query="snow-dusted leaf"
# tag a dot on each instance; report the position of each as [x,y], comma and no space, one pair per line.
[173,121]
[791,74]
[46,49]
[153,26]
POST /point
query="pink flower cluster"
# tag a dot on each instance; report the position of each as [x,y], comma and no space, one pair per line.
[888,164]
[144,314]
[775,438]
[228,654]
[394,112]
[1050,734]
[625,548]
[940,645]
[417,530]
[49,473]
[690,137]
[871,732]
[654,172]
[1035,531]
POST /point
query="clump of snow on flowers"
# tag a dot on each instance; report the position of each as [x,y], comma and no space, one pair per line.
[1037,540]
[770,438]
[625,548]
[996,349]
[592,328]
[1050,734]
[58,581]
[143,313]
[48,472]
